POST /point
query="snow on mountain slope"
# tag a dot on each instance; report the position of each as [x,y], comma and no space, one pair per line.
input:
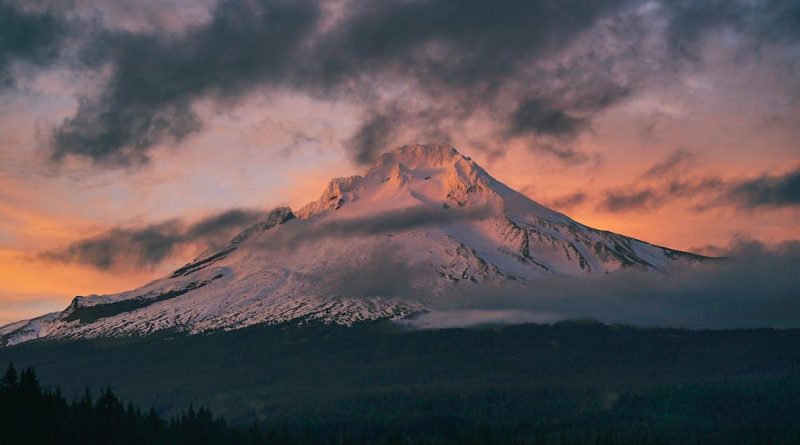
[422,223]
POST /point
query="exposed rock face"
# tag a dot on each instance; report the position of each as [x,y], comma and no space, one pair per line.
[338,192]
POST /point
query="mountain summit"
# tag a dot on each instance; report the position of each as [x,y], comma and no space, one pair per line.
[423,223]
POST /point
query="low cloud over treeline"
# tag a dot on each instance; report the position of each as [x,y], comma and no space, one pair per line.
[756,285]
[753,285]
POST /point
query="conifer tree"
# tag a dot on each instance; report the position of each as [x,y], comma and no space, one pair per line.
[9,380]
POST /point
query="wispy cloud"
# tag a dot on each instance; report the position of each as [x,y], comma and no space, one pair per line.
[626,200]
[672,179]
[678,159]
[300,232]
[767,191]
[569,201]
[131,248]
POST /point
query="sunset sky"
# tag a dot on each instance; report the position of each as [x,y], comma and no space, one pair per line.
[135,134]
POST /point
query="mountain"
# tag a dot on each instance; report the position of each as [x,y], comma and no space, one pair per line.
[423,223]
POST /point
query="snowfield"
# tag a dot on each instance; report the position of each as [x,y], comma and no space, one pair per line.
[423,223]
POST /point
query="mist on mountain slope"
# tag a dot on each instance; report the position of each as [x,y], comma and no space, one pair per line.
[756,286]
[428,234]
[292,236]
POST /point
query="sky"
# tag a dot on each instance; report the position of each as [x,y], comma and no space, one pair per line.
[134,135]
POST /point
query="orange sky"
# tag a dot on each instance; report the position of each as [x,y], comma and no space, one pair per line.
[41,213]
[727,115]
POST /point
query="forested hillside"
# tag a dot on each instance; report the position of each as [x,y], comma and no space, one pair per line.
[378,383]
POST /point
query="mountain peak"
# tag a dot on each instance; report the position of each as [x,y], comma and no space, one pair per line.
[458,174]
[422,155]
[401,239]
[447,175]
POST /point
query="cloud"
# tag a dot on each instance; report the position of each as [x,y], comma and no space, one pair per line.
[299,232]
[534,116]
[373,136]
[212,227]
[131,248]
[27,36]
[626,200]
[765,191]
[135,248]
[657,185]
[444,51]
[660,183]
[377,275]
[536,71]
[756,287]
[569,201]
[678,159]
[155,79]
[459,44]
[761,22]
[768,191]
[706,190]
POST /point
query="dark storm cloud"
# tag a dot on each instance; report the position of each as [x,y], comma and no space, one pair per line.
[766,21]
[757,286]
[374,135]
[382,125]
[537,71]
[145,247]
[155,78]
[535,116]
[446,50]
[464,56]
[768,191]
[454,43]
[27,36]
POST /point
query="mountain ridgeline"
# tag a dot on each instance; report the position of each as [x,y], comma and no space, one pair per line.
[424,223]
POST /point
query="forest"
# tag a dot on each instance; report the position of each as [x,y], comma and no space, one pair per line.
[377,383]
[30,414]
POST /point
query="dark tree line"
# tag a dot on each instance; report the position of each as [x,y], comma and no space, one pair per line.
[375,384]
[31,414]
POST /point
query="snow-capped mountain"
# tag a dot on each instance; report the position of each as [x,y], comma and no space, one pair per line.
[422,223]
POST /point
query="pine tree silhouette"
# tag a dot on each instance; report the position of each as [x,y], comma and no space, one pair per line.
[9,381]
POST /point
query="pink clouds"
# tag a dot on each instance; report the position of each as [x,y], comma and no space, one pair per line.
[630,118]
